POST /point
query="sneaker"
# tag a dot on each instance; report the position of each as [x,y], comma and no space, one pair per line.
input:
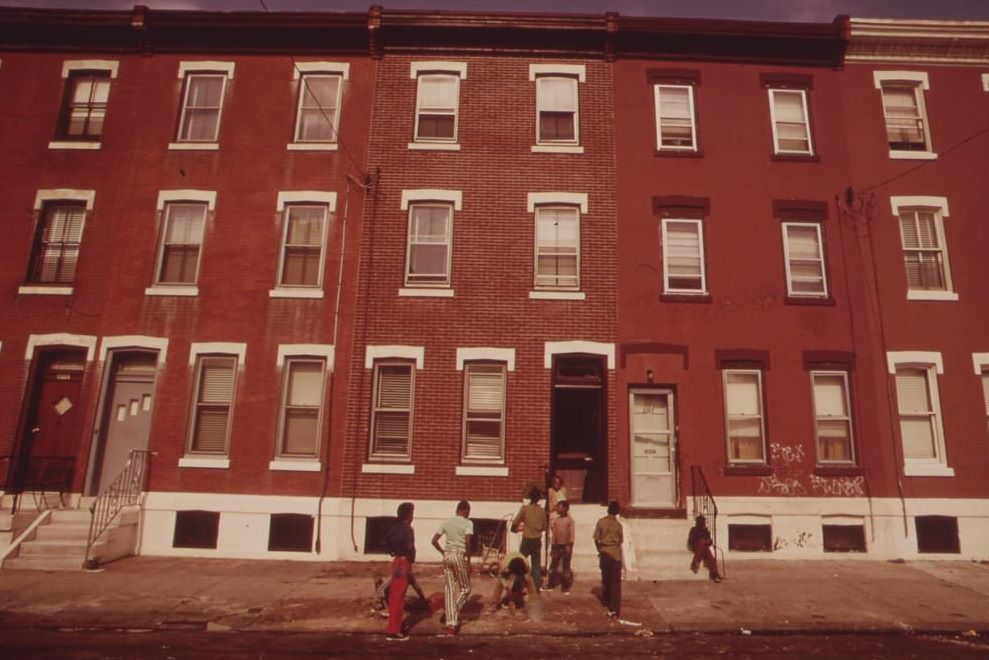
[566,593]
[716,578]
[626,622]
[612,615]
[400,637]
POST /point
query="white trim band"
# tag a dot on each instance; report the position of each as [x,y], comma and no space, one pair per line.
[206,66]
[64,194]
[372,353]
[61,339]
[198,348]
[342,68]
[577,346]
[879,77]
[417,68]
[470,354]
[68,66]
[305,350]
[578,70]
[534,199]
[186,195]
[388,468]
[481,471]
[455,197]
[927,201]
[159,344]
[298,196]
[894,358]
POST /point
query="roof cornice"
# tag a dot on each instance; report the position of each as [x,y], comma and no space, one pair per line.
[919,42]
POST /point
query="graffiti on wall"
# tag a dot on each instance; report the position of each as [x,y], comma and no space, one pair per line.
[791,479]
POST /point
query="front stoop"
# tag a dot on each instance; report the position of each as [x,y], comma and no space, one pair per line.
[60,544]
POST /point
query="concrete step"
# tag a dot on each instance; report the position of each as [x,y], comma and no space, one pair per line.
[62,533]
[71,516]
[51,548]
[44,563]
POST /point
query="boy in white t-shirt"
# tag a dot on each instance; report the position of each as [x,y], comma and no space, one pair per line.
[459,531]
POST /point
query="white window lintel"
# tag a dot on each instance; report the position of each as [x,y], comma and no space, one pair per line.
[879,77]
[469,354]
[64,194]
[455,197]
[459,68]
[206,66]
[166,196]
[980,361]
[218,347]
[305,350]
[68,66]
[924,201]
[316,196]
[577,70]
[535,199]
[300,68]
[372,353]
[894,358]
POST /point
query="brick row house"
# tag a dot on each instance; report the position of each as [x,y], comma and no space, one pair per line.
[436,255]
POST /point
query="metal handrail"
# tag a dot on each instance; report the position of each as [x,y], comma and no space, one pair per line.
[124,491]
[704,505]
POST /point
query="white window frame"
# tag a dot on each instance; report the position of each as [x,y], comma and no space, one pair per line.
[786,260]
[664,236]
[777,149]
[818,418]
[932,365]
[69,67]
[287,364]
[536,286]
[188,70]
[761,416]
[576,73]
[311,198]
[57,195]
[312,144]
[939,207]
[466,416]
[980,361]
[446,283]
[373,454]
[919,82]
[657,94]
[193,287]
[455,71]
[197,358]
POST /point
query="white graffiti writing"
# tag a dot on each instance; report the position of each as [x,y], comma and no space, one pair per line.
[785,486]
[787,454]
[843,486]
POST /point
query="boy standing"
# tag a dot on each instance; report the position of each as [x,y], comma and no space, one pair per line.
[401,543]
[456,563]
[561,551]
[608,538]
[532,519]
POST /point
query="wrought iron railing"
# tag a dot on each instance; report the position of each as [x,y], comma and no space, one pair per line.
[124,491]
[39,475]
[704,505]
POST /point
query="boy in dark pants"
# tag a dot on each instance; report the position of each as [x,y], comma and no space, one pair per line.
[608,538]
[532,519]
[561,551]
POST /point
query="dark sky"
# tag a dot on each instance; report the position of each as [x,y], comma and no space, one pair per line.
[772,10]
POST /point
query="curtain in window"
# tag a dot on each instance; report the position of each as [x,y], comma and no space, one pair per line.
[182,239]
[904,124]
[792,132]
[215,395]
[429,249]
[303,398]
[303,245]
[557,247]
[744,407]
[87,104]
[806,262]
[392,410]
[201,119]
[833,420]
[916,413]
[57,251]
[318,108]
[675,116]
[684,261]
[485,407]
[921,251]
[437,103]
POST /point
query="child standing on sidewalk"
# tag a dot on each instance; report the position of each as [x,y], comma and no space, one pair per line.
[532,519]
[456,563]
[561,551]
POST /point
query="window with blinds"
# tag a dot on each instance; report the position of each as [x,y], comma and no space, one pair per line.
[903,109]
[556,110]
[57,241]
[215,380]
[803,255]
[302,246]
[319,108]
[437,99]
[430,236]
[484,412]
[391,413]
[790,120]
[924,253]
[182,238]
[918,417]
[743,413]
[200,117]
[302,402]
[557,249]
[832,417]
[84,105]
[676,127]
[683,256]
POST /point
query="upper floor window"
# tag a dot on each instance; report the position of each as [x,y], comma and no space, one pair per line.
[981,361]
[437,101]
[925,252]
[791,122]
[683,256]
[57,240]
[430,244]
[557,107]
[319,108]
[302,404]
[557,249]
[84,101]
[181,243]
[204,86]
[391,412]
[907,129]
[484,412]
[832,417]
[676,125]
[803,254]
[213,404]
[919,407]
[743,416]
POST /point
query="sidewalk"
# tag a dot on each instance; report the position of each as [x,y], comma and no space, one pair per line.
[757,595]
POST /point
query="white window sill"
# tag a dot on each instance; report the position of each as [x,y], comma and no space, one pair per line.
[686,292]
[677,150]
[295,293]
[68,144]
[434,146]
[311,146]
[482,471]
[187,291]
[912,155]
[295,465]
[388,468]
[425,293]
[557,295]
[928,470]
[41,290]
[931,295]
[557,149]
[194,146]
[209,462]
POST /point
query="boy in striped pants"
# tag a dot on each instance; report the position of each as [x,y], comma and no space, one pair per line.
[456,563]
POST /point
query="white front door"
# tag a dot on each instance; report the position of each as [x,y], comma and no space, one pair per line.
[652,431]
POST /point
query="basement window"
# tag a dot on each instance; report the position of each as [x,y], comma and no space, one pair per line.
[375,531]
[750,538]
[196,529]
[937,534]
[290,532]
[843,538]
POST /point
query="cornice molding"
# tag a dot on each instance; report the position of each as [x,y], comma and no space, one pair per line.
[919,42]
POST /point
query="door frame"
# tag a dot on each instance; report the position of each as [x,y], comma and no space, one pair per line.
[601,458]
[102,410]
[671,391]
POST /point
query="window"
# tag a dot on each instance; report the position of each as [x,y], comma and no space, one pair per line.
[803,255]
[556,110]
[215,376]
[57,240]
[675,120]
[84,105]
[919,408]
[743,412]
[430,238]
[196,529]
[302,401]
[437,99]
[181,243]
[319,108]
[557,247]
[484,412]
[907,130]
[302,245]
[202,100]
[832,417]
[683,256]
[391,415]
[791,123]
[984,375]
[924,252]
